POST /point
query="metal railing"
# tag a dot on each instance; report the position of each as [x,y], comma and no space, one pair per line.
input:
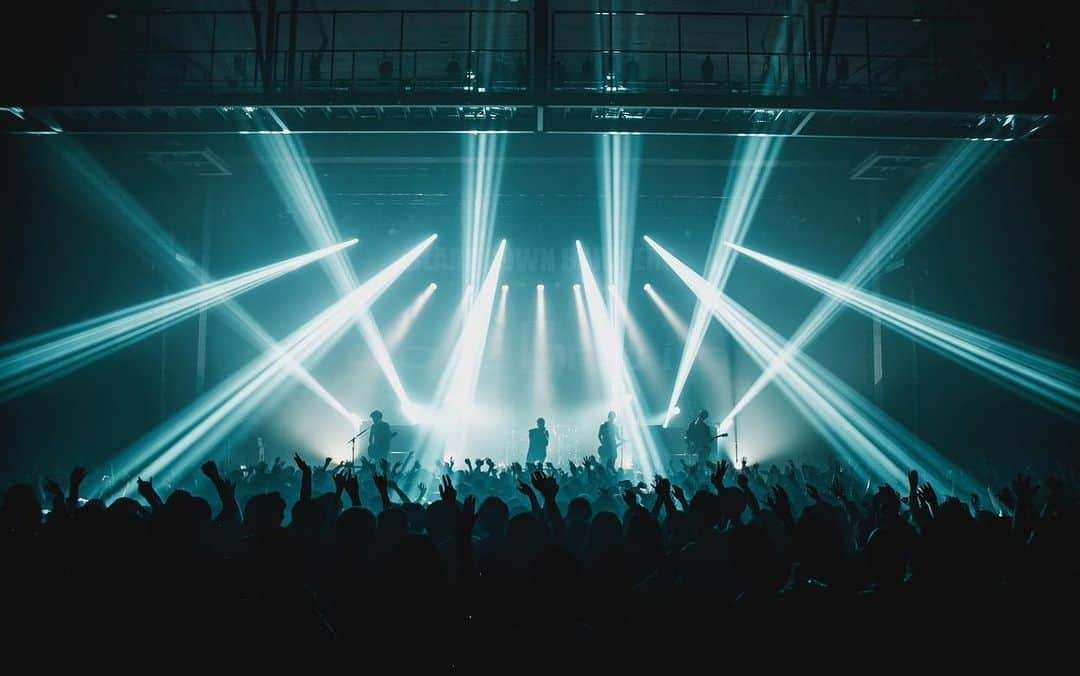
[485,52]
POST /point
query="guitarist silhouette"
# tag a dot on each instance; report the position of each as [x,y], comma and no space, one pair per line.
[610,440]
[699,436]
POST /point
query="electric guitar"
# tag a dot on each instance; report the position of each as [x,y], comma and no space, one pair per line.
[691,447]
[600,448]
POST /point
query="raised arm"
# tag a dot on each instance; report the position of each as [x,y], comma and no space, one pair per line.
[305,477]
[549,487]
[526,490]
[744,485]
[226,490]
[146,490]
[77,476]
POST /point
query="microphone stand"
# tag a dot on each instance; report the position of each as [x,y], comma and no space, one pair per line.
[352,442]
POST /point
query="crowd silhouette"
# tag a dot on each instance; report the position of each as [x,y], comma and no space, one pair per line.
[466,561]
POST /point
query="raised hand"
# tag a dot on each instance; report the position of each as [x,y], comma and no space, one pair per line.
[490,464]
[53,489]
[743,480]
[717,477]
[662,488]
[813,493]
[380,482]
[629,496]
[515,468]
[928,496]
[300,464]
[352,487]
[679,494]
[467,517]
[526,490]
[339,483]
[1024,489]
[210,469]
[973,499]
[913,482]
[546,485]
[146,490]
[446,489]
[468,463]
[778,500]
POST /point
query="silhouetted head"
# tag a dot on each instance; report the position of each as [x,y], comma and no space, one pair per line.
[886,502]
[493,516]
[264,511]
[702,415]
[580,509]
[611,416]
[605,531]
[392,526]
[376,416]
[540,423]
[355,527]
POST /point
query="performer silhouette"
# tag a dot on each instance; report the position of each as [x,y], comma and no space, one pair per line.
[699,436]
[610,440]
[379,437]
[539,437]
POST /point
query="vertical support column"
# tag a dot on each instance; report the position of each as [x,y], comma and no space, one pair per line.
[200,344]
[542,63]
[271,45]
[290,67]
[163,370]
[810,30]
[541,44]
[733,440]
[878,365]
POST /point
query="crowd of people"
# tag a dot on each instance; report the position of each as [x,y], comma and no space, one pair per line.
[483,558]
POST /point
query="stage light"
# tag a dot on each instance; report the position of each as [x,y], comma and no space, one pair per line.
[674,321]
[647,287]
[448,424]
[923,204]
[290,168]
[621,385]
[745,185]
[577,288]
[408,316]
[505,288]
[542,394]
[179,444]
[481,180]
[44,357]
[1044,380]
[139,227]
[861,433]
